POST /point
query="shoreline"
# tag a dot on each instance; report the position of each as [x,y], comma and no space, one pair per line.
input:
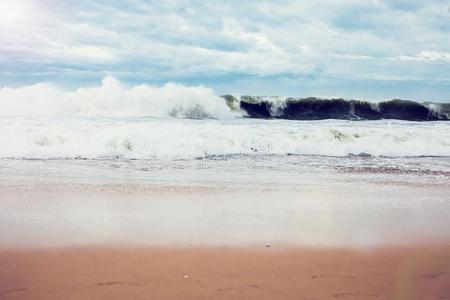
[60,215]
[71,230]
[409,272]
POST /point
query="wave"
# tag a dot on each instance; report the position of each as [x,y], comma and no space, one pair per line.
[319,109]
[150,138]
[114,99]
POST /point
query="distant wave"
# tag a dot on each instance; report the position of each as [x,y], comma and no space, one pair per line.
[114,99]
[319,109]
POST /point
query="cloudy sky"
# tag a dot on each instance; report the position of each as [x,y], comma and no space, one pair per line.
[351,48]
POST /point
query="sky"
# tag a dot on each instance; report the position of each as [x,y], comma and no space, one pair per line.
[362,49]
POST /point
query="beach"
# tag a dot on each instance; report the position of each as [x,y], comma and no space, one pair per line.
[224,150]
[419,272]
[232,229]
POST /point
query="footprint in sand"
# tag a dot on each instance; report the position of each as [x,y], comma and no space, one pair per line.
[110,283]
[238,288]
[332,276]
[434,275]
[12,291]
[344,295]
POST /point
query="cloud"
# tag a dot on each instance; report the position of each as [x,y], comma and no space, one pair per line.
[425,56]
[157,41]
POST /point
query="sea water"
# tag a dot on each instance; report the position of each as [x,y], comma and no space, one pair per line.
[177,165]
[167,181]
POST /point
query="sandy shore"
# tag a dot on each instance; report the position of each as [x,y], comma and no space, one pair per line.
[125,237]
[225,273]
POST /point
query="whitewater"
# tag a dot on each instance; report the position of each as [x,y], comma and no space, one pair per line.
[177,165]
[115,121]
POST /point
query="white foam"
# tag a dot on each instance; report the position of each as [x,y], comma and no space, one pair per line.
[146,138]
[112,98]
[114,120]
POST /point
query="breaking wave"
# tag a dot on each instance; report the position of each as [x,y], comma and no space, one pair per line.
[114,99]
[155,138]
[320,109]
[180,122]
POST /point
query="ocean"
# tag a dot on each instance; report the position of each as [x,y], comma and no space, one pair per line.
[235,182]
[186,139]
[89,168]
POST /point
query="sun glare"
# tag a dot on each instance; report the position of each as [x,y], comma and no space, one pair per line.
[13,11]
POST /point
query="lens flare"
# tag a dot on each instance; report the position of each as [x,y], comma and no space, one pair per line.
[12,12]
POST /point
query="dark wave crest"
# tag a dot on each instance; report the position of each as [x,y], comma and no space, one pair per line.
[319,109]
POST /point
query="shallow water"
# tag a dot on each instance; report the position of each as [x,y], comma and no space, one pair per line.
[80,180]
[225,201]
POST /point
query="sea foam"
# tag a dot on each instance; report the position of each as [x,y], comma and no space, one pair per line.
[113,99]
[175,121]
[168,138]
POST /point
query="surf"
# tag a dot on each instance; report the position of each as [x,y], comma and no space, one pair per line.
[171,138]
[113,98]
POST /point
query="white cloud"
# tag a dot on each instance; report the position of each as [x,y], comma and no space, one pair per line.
[428,56]
[176,39]
[88,54]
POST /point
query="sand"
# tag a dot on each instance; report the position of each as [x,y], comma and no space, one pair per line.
[124,240]
[412,272]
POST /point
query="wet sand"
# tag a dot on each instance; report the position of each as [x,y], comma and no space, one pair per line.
[413,272]
[61,215]
[87,234]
